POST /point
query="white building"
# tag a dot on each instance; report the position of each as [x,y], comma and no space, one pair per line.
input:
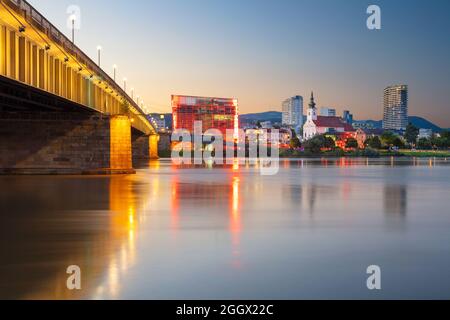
[293,113]
[425,134]
[317,125]
[158,120]
[266,125]
[328,112]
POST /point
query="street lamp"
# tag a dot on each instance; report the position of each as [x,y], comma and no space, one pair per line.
[132,93]
[99,52]
[125,84]
[115,71]
[73,18]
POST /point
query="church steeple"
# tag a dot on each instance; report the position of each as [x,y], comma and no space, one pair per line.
[312,104]
[312,111]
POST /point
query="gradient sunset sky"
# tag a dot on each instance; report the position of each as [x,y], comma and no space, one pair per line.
[263,52]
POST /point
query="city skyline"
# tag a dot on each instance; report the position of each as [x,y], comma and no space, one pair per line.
[310,45]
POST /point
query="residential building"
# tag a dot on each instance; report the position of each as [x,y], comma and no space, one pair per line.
[348,117]
[395,108]
[266,125]
[328,112]
[293,113]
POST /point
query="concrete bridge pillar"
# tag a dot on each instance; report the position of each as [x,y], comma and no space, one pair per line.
[64,143]
[144,147]
[154,139]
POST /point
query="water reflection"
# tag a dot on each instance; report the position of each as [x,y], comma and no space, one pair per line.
[124,223]
[89,222]
[235,220]
[172,228]
[396,200]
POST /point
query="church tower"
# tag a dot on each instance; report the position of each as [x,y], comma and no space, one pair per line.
[312,111]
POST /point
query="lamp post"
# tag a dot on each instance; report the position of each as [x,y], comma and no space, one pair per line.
[99,53]
[115,71]
[125,84]
[132,93]
[73,18]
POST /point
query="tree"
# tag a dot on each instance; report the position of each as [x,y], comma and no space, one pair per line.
[295,143]
[316,144]
[424,144]
[388,138]
[313,145]
[411,134]
[351,143]
[373,143]
[438,142]
[329,143]
[445,134]
[398,142]
[443,141]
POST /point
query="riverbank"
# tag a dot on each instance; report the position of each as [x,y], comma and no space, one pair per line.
[369,153]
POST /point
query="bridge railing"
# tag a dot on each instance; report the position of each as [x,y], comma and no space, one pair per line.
[38,21]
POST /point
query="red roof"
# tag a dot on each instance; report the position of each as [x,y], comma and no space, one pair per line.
[333,122]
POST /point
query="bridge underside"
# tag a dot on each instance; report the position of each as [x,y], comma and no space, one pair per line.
[41,133]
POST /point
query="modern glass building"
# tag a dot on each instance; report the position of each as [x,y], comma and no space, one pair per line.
[347,116]
[395,108]
[293,113]
[214,113]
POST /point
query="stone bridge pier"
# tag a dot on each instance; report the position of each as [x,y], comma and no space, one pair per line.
[144,147]
[70,143]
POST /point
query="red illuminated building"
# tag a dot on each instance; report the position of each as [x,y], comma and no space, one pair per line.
[214,113]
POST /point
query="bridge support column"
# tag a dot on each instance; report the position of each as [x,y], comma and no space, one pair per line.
[64,143]
[154,139]
[144,147]
[120,143]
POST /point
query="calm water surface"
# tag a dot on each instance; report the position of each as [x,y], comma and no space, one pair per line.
[228,233]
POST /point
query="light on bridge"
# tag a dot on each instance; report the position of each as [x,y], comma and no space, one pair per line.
[99,53]
[115,71]
[73,18]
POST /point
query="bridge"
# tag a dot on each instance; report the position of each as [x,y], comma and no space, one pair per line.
[59,111]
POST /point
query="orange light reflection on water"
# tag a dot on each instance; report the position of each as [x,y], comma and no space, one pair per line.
[235,220]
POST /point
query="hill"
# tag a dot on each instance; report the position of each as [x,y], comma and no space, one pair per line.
[424,124]
[275,116]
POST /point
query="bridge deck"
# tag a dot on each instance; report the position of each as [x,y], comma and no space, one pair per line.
[36,54]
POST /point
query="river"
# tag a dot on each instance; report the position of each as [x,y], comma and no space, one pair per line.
[173,232]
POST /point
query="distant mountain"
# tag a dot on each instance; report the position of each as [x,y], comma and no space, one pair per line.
[418,122]
[371,123]
[275,116]
[424,124]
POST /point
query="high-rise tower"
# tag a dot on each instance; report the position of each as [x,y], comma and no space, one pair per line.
[395,108]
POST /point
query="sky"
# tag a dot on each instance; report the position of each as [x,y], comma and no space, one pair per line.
[264,51]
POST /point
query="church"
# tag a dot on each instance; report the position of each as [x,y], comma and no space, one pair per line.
[317,125]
